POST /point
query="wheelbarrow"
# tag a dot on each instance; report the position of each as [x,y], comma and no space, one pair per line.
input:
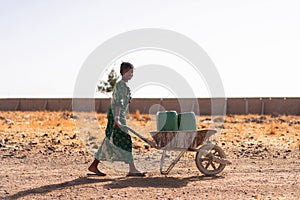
[210,158]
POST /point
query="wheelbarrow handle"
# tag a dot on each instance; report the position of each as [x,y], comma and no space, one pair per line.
[151,143]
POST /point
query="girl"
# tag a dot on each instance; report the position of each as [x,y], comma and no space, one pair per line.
[117,145]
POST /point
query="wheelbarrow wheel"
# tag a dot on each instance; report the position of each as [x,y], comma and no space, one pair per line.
[207,159]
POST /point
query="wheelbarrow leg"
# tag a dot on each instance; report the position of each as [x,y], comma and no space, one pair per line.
[162,160]
[166,172]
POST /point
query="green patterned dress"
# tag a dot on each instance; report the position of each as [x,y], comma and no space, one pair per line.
[117,145]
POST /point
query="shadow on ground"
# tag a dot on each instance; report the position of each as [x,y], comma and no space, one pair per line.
[49,188]
[157,182]
[123,182]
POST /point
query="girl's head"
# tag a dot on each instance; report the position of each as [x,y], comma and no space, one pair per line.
[126,70]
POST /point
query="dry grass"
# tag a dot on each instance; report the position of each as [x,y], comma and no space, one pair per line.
[69,131]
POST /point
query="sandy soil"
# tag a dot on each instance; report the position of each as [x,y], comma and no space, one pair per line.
[45,155]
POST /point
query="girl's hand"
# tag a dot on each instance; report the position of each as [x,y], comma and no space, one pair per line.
[118,124]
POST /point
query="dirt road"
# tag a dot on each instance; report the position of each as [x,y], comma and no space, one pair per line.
[62,176]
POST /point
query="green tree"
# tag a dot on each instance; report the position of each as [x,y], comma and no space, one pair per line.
[108,86]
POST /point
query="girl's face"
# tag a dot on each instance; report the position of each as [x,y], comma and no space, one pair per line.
[128,74]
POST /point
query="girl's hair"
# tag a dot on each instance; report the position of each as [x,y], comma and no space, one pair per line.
[125,66]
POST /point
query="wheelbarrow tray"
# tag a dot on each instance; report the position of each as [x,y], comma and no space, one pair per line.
[176,140]
[207,155]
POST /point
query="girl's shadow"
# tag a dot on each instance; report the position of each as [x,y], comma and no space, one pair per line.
[123,182]
[49,188]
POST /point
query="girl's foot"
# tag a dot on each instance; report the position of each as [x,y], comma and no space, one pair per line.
[96,171]
[136,172]
[140,174]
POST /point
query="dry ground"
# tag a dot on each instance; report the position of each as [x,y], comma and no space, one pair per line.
[44,155]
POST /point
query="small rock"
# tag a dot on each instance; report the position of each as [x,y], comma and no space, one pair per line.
[32,143]
[92,138]
[246,120]
[8,121]
[8,155]
[75,145]
[288,151]
[73,136]
[27,147]
[52,148]
[21,157]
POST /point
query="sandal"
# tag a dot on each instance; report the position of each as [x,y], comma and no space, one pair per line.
[139,174]
[96,174]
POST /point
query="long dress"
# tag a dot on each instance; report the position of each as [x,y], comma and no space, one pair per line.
[117,145]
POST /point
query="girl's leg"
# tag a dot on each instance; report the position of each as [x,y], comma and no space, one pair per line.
[94,168]
[133,170]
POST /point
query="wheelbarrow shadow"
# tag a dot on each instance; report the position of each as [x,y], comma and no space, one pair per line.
[115,183]
[157,182]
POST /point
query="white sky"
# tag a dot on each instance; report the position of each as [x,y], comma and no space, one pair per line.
[254,44]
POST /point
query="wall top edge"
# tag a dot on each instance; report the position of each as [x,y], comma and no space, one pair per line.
[245,98]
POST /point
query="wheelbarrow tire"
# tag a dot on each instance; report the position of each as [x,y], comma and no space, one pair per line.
[204,160]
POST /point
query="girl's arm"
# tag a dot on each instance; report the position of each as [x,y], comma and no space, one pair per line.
[117,116]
